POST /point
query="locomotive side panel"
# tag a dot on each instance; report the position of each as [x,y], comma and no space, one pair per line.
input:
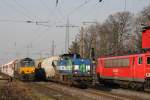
[116,68]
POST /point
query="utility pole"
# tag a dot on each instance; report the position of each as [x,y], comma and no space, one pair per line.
[29,46]
[67,26]
[15,44]
[92,51]
[94,37]
[125,5]
[53,47]
[82,43]
[27,50]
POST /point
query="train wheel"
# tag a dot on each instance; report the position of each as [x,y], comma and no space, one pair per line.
[147,85]
[132,85]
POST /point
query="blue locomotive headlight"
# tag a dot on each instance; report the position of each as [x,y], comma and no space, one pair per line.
[76,67]
[76,72]
[88,67]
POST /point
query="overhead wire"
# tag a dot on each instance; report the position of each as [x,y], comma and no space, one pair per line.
[46,7]
[20,21]
[51,11]
[78,7]
[37,22]
[21,6]
[72,11]
[91,10]
[13,21]
[13,8]
[42,25]
[75,9]
[18,11]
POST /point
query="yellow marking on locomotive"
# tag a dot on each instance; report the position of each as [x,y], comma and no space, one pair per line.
[27,70]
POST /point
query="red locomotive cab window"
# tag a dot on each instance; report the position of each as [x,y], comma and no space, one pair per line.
[140,60]
[148,60]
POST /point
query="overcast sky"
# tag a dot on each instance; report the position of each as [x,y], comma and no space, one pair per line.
[16,35]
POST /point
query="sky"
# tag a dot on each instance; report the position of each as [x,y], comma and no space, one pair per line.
[21,36]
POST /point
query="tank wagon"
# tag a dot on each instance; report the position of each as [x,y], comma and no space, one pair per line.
[45,69]
[22,69]
[131,70]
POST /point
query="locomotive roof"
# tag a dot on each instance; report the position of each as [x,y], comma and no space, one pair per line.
[28,59]
[145,28]
[70,55]
[126,56]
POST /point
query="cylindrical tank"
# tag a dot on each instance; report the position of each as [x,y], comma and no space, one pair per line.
[48,66]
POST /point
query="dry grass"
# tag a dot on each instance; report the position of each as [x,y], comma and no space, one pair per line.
[15,91]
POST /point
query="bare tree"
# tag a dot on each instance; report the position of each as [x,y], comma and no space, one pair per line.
[113,32]
[118,34]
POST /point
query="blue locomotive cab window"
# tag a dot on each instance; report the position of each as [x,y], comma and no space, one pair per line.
[148,60]
[140,60]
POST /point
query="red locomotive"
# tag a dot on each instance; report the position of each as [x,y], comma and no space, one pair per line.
[130,70]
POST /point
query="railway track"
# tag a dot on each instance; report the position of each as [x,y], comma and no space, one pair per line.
[80,94]
[96,94]
[121,92]
[116,97]
[4,76]
[53,91]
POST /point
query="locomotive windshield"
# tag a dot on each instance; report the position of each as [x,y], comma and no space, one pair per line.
[27,62]
[148,60]
[68,56]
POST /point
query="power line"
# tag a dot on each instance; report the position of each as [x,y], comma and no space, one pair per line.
[91,9]
[78,7]
[40,23]
[74,10]
[18,11]
[125,5]
[39,36]
[53,48]
[21,6]
[13,21]
[46,7]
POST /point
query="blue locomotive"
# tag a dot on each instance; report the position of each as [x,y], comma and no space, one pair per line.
[75,70]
